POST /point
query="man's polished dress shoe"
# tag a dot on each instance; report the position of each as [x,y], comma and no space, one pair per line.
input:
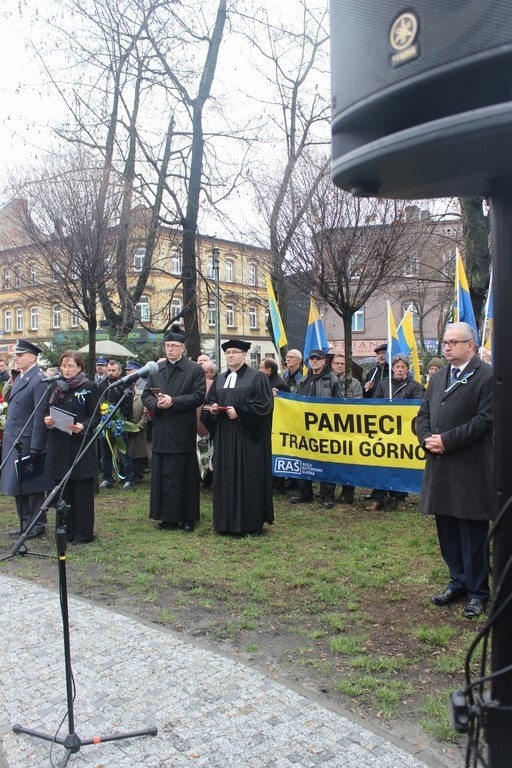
[187,527]
[474,608]
[165,525]
[36,534]
[448,596]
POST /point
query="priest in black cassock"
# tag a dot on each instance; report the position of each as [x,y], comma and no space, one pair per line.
[172,395]
[238,415]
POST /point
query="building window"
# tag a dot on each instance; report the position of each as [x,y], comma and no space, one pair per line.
[8,321]
[55,275]
[19,319]
[212,313]
[358,320]
[253,318]
[56,316]
[176,263]
[74,318]
[7,279]
[176,307]
[143,310]
[415,315]
[230,271]
[355,266]
[34,318]
[17,278]
[230,315]
[210,270]
[411,268]
[139,256]
[33,275]
[252,275]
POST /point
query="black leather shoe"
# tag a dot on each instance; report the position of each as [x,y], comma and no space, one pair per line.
[328,503]
[448,596]
[166,525]
[474,608]
[36,535]
[300,499]
[187,527]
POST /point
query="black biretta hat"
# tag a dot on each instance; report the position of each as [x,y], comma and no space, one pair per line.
[237,344]
[175,334]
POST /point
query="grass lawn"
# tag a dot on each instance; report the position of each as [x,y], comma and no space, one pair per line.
[338,600]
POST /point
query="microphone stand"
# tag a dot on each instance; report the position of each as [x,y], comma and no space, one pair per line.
[20,547]
[72,742]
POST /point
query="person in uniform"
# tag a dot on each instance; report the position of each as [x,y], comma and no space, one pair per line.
[25,400]
[172,396]
[238,414]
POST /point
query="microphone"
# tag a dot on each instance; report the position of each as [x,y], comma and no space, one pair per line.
[51,379]
[140,373]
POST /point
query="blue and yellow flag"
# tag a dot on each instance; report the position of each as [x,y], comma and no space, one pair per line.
[407,341]
[462,306]
[394,347]
[275,316]
[316,337]
[487,333]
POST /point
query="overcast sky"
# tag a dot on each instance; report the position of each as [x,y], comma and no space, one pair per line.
[27,114]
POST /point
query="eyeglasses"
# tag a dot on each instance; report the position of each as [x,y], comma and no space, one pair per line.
[454,342]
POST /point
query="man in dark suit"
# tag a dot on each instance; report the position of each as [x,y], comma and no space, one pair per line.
[454,425]
[172,395]
[25,400]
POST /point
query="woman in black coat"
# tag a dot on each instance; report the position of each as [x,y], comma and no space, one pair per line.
[79,396]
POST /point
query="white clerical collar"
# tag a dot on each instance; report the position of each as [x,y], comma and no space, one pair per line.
[230,380]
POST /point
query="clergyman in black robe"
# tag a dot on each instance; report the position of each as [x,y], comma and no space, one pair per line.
[172,394]
[238,415]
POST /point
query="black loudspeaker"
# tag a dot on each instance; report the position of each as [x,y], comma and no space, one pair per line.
[422,96]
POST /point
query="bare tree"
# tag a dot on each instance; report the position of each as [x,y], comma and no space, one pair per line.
[71,240]
[292,56]
[348,249]
[138,88]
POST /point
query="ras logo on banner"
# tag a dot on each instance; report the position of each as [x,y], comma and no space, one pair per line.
[290,466]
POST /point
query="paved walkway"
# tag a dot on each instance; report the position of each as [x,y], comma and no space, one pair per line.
[210,710]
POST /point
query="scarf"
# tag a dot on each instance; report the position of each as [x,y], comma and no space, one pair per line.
[65,385]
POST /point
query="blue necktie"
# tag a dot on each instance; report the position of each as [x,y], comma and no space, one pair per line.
[455,375]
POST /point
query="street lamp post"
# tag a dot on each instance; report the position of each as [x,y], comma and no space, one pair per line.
[216,277]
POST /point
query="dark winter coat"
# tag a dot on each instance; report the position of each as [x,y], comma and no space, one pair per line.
[174,429]
[405,389]
[458,482]
[292,379]
[324,384]
[62,448]
[26,392]
[376,374]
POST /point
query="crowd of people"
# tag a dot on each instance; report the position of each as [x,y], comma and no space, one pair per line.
[216,428]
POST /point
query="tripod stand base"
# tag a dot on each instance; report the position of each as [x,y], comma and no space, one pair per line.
[72,743]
